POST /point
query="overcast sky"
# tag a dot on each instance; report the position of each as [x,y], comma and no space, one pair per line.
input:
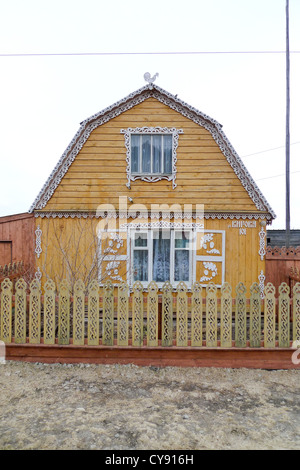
[45,97]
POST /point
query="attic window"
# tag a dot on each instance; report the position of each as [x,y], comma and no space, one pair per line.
[151,153]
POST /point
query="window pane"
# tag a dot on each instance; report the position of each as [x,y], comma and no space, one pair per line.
[140,239]
[167,154]
[140,265]
[181,239]
[161,258]
[156,153]
[146,154]
[182,265]
[135,153]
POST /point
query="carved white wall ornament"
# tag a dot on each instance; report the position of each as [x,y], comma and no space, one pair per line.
[151,130]
[262,243]
[210,271]
[151,91]
[38,242]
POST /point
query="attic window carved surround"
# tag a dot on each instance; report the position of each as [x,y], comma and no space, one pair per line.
[151,154]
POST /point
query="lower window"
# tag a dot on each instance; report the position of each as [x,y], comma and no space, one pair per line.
[162,255]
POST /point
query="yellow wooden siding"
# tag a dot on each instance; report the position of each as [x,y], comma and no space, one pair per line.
[69,246]
[98,174]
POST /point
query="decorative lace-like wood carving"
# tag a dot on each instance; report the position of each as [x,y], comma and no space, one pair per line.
[64,313]
[182,315]
[6,308]
[152,315]
[49,312]
[108,314]
[93,313]
[211,315]
[122,330]
[296,312]
[269,316]
[226,316]
[284,316]
[20,311]
[240,317]
[35,312]
[196,339]
[137,314]
[167,315]
[78,313]
[255,315]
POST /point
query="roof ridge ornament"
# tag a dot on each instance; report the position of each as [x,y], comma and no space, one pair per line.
[149,79]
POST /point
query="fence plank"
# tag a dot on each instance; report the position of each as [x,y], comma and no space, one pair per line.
[35,312]
[152,315]
[269,316]
[284,316]
[122,325]
[20,311]
[226,316]
[167,315]
[49,312]
[108,314]
[255,315]
[64,313]
[196,320]
[6,311]
[93,313]
[240,317]
[137,314]
[181,315]
[78,312]
[211,316]
[296,312]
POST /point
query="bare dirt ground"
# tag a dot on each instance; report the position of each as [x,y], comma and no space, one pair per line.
[121,407]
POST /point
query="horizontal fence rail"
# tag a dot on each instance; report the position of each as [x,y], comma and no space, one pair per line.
[208,317]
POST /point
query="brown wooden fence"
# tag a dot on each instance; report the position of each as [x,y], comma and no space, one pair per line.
[107,316]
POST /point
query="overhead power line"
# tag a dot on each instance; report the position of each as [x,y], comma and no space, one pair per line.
[47,54]
[268,150]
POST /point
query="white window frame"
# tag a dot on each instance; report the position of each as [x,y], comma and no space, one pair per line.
[152,177]
[150,233]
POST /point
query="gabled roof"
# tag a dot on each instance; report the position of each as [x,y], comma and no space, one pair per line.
[148,91]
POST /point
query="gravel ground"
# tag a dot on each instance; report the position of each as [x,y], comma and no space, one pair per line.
[125,407]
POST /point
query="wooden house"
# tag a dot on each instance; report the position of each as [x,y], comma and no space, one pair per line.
[150,189]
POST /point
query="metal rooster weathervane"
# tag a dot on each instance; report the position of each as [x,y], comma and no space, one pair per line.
[148,78]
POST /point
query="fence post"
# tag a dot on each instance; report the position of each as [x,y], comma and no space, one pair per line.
[108,314]
[240,317]
[296,312]
[182,316]
[211,315]
[196,320]
[122,325]
[152,315]
[284,316]
[167,315]
[78,312]
[255,315]
[226,316]
[6,311]
[20,312]
[64,313]
[93,313]
[269,320]
[137,314]
[35,312]
[49,312]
